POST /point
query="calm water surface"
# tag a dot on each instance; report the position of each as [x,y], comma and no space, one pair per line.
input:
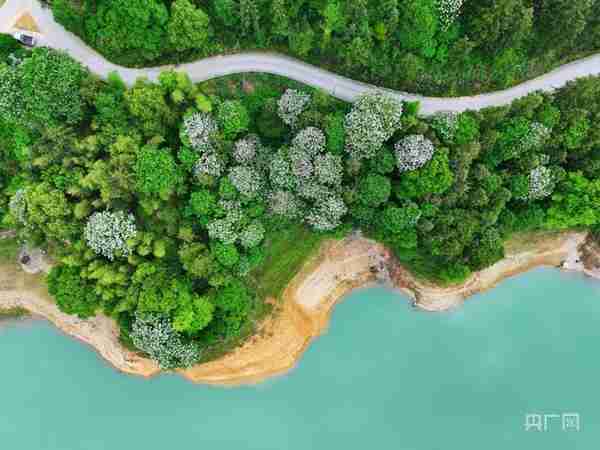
[384,377]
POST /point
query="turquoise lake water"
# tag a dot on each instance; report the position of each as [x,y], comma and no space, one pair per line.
[384,377]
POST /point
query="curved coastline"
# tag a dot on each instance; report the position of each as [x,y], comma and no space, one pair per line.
[53,35]
[305,310]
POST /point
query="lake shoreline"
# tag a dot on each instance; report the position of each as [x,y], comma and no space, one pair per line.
[305,310]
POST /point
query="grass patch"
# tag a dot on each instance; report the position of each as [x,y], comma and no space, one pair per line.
[286,250]
[9,249]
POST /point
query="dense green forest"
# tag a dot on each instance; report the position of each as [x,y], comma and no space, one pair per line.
[178,209]
[437,47]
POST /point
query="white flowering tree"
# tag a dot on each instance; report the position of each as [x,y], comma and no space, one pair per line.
[310,140]
[285,203]
[306,180]
[246,180]
[327,215]
[280,172]
[541,183]
[314,191]
[198,131]
[374,118]
[301,163]
[413,152]
[445,124]
[537,136]
[291,104]
[107,233]
[208,164]
[246,149]
[223,230]
[448,11]
[329,169]
[252,235]
[154,335]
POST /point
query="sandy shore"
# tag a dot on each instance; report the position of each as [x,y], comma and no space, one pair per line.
[522,254]
[20,289]
[305,310]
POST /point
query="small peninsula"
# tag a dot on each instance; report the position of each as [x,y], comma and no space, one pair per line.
[204,219]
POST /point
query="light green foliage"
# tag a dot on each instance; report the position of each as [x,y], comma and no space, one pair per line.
[196,259]
[202,203]
[43,90]
[233,118]
[576,133]
[302,40]
[575,203]
[114,178]
[48,212]
[123,26]
[419,25]
[433,178]
[280,15]
[157,289]
[147,103]
[188,27]
[333,20]
[193,315]
[156,172]
[232,303]
[73,295]
[226,254]
[334,129]
[396,220]
[467,129]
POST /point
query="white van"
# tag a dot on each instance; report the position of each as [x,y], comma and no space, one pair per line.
[25,38]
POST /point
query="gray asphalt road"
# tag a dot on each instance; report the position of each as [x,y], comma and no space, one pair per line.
[53,35]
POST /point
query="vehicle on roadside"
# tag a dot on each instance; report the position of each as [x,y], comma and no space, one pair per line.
[25,38]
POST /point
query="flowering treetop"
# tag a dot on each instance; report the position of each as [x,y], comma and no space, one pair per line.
[413,152]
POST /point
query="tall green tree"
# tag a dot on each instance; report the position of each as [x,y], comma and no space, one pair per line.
[418,26]
[134,28]
[561,22]
[495,25]
[189,27]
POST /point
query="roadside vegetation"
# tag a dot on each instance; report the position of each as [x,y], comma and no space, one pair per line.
[436,47]
[178,209]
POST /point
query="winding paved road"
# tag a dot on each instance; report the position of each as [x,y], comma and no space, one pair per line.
[53,35]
